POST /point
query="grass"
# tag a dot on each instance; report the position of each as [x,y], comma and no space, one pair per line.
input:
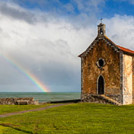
[82,118]
[15,108]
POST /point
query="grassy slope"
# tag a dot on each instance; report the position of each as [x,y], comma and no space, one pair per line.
[82,118]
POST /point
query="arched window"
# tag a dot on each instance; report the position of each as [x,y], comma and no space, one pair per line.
[100,85]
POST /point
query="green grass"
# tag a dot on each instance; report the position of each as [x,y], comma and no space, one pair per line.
[15,108]
[82,118]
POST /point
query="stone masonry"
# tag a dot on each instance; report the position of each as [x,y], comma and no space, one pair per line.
[107,69]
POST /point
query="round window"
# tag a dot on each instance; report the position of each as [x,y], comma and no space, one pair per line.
[100,63]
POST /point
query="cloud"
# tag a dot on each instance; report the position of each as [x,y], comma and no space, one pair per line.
[12,10]
[49,49]
[89,5]
[82,12]
[56,5]
[48,45]
[121,30]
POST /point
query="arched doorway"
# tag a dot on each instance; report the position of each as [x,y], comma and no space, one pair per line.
[100,85]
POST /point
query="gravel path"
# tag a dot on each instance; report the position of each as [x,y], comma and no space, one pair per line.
[32,110]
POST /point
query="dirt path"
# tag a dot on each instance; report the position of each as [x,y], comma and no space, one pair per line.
[32,110]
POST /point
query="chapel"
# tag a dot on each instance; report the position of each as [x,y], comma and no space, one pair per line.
[107,71]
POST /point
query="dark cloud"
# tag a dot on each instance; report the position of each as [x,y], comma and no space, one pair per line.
[74,11]
[10,10]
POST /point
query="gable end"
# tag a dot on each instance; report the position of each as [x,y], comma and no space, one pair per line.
[97,39]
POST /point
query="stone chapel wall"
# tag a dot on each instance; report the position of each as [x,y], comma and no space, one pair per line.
[127,79]
[110,72]
[133,79]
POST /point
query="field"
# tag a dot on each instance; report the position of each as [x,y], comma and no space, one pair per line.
[81,118]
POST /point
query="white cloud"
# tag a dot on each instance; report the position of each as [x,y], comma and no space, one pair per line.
[121,30]
[49,49]
[48,46]
[89,5]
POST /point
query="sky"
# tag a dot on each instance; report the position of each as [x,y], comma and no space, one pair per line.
[40,40]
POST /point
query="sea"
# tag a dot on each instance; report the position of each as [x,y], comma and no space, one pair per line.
[43,97]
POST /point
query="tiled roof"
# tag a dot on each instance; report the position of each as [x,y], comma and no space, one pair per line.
[120,47]
[125,49]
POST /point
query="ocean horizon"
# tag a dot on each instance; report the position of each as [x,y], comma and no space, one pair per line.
[42,96]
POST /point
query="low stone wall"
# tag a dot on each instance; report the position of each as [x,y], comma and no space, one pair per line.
[18,101]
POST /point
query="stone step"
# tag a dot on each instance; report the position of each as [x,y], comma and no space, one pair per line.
[112,101]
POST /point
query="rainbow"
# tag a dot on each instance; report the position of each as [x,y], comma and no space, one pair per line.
[26,72]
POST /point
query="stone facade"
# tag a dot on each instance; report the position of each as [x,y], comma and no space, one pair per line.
[133,78]
[107,69]
[127,79]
